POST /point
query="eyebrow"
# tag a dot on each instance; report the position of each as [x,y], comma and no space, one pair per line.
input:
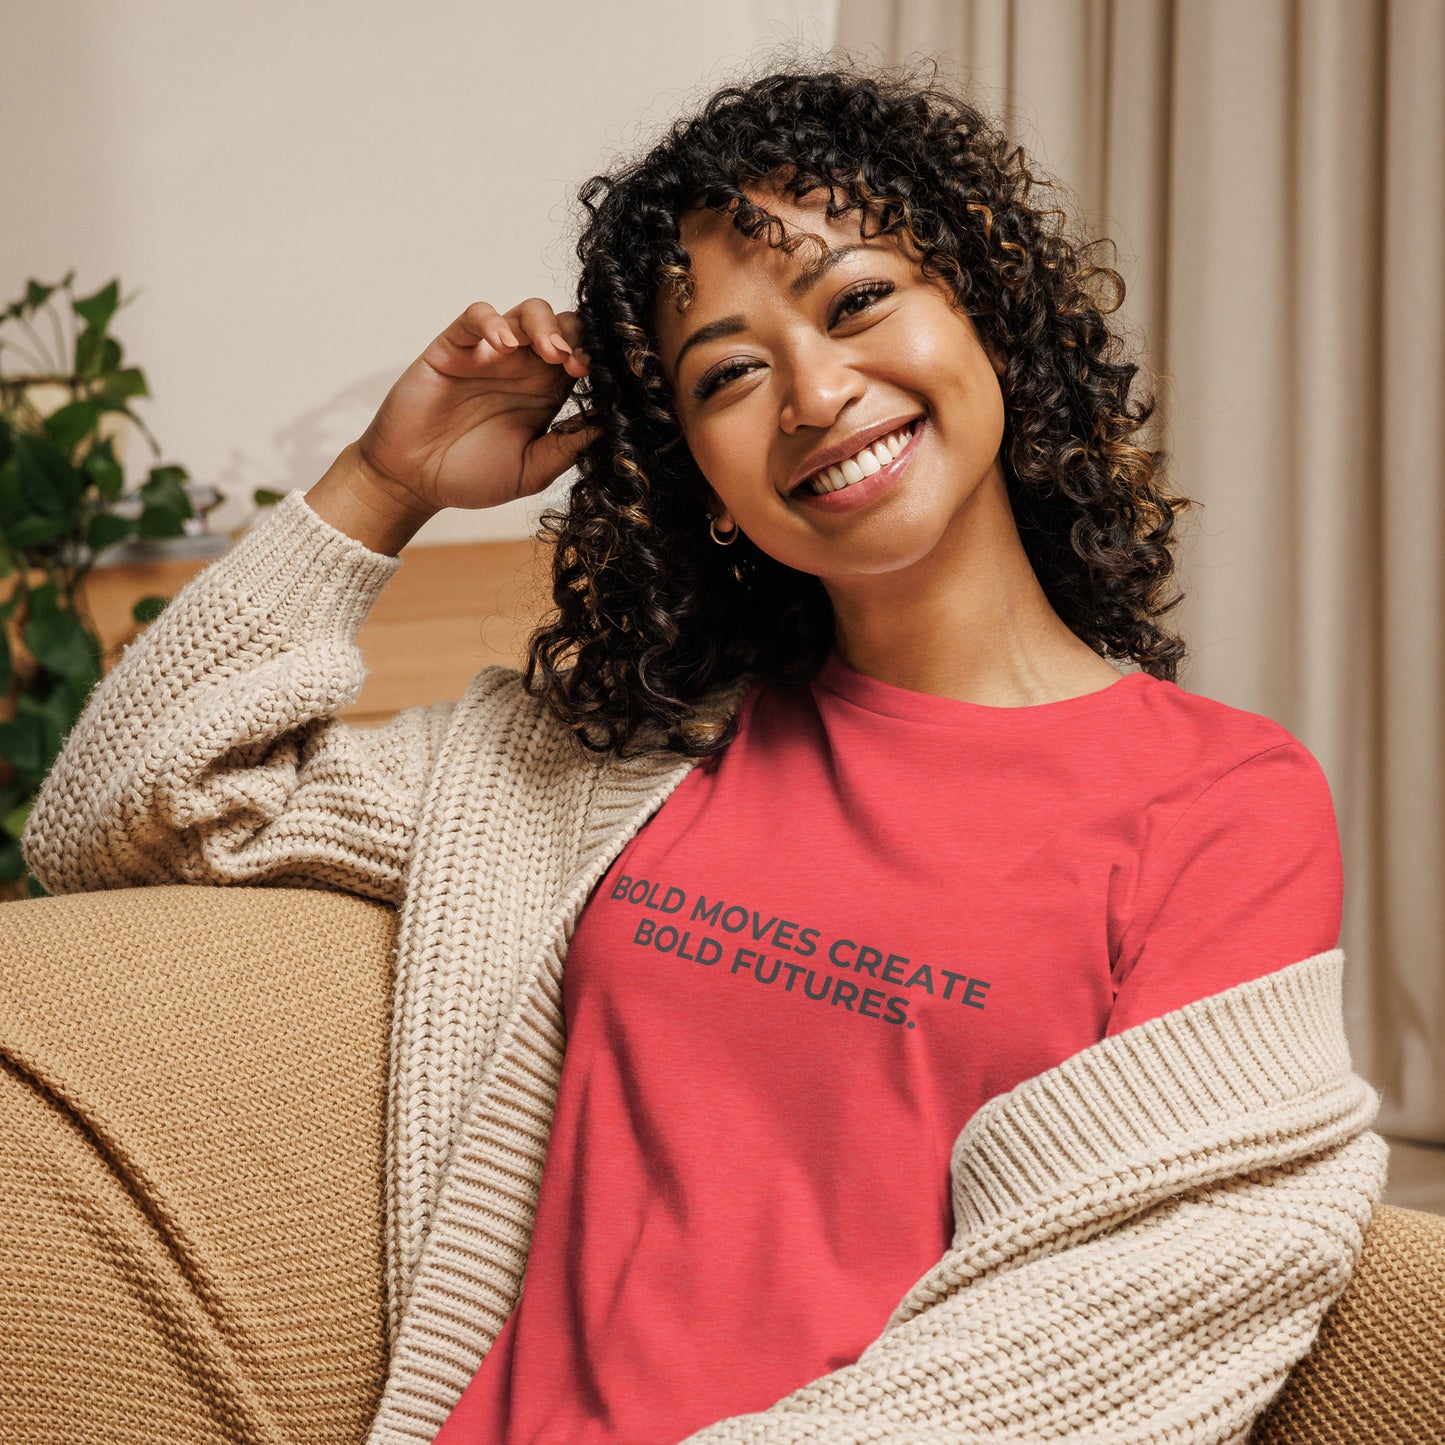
[798,288]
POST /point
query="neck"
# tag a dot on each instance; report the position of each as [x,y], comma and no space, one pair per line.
[968,620]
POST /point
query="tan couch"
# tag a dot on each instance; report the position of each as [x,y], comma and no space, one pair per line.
[191,1127]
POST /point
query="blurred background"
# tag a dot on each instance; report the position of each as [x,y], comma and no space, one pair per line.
[297,198]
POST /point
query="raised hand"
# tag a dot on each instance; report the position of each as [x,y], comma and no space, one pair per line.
[469,422]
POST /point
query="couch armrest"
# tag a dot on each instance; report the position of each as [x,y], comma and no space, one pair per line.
[192,1113]
[1376,1371]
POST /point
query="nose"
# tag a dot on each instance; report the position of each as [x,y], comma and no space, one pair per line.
[820,381]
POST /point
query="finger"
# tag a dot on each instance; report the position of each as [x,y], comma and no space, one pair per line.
[553,452]
[570,325]
[544,332]
[586,419]
[480,323]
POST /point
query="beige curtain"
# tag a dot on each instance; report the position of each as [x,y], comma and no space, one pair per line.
[1273,172]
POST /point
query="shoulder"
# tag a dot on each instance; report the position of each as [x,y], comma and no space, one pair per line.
[1209,745]
[1197,716]
[1239,866]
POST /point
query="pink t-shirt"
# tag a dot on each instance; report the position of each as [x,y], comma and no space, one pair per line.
[876,910]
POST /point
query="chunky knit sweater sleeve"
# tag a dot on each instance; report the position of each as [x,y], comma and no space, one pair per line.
[210,752]
[1148,1237]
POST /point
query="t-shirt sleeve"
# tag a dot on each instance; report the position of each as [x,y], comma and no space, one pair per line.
[1249,880]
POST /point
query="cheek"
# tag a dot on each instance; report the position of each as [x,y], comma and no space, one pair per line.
[962,381]
[728,457]
[948,352]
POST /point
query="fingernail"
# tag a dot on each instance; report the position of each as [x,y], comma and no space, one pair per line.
[559,342]
[508,337]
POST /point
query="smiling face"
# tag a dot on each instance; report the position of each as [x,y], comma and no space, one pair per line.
[783,370]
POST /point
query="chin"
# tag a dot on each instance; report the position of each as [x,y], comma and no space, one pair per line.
[881,559]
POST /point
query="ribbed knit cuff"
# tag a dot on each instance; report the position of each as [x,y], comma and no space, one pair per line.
[315,575]
[1162,1084]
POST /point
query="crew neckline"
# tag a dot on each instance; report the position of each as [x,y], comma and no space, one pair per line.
[837,677]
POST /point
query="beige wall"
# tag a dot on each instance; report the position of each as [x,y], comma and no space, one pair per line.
[302,195]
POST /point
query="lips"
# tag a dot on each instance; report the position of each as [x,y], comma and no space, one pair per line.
[849,447]
[862,495]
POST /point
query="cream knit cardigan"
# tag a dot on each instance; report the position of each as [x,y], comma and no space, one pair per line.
[1148,1235]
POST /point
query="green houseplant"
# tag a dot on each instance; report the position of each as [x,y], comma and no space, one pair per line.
[61,413]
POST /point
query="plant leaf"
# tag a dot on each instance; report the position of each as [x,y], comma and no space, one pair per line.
[22,745]
[129,381]
[96,310]
[59,641]
[45,595]
[161,522]
[68,425]
[36,295]
[166,482]
[167,506]
[148,609]
[12,794]
[70,697]
[14,821]
[102,468]
[52,485]
[89,352]
[35,530]
[105,529]
[12,494]
[51,716]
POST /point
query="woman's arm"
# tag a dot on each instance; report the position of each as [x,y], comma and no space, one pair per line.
[210,753]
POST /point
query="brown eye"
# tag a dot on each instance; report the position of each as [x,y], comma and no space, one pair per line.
[870,291]
[715,379]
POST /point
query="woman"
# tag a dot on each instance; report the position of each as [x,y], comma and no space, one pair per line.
[924,973]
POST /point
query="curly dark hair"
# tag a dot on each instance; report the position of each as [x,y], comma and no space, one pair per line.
[650,615]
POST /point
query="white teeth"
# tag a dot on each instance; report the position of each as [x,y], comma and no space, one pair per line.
[872,458]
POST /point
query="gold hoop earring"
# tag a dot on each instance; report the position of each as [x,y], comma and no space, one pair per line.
[726,541]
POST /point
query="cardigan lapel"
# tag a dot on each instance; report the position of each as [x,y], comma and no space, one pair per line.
[474,1154]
